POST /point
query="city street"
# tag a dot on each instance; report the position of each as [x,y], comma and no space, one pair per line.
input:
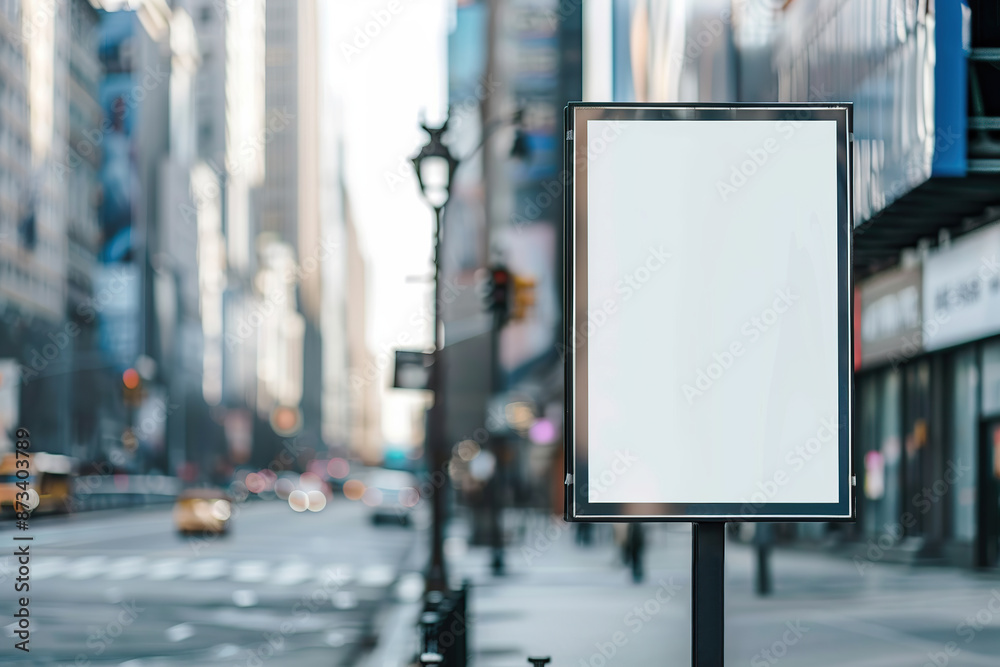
[120,587]
[469,332]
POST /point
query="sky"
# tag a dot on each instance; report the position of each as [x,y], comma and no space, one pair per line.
[387,60]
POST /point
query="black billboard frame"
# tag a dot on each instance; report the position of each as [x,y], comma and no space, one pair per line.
[577,507]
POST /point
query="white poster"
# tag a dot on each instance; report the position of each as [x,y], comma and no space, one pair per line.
[712,340]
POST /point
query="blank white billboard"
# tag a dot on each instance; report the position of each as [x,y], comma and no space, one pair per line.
[710,324]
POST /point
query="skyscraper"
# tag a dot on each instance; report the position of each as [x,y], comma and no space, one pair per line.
[290,203]
[231,139]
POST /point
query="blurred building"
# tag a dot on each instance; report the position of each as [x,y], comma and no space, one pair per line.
[50,231]
[363,409]
[32,295]
[351,410]
[14,174]
[231,139]
[512,68]
[83,229]
[926,97]
[351,416]
[290,200]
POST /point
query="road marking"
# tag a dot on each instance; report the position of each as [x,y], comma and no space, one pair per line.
[344,600]
[335,575]
[250,571]
[168,568]
[244,598]
[376,575]
[126,568]
[86,567]
[292,573]
[179,633]
[48,567]
[210,568]
[410,587]
[226,650]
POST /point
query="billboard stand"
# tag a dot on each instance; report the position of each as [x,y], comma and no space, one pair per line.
[735,222]
[708,569]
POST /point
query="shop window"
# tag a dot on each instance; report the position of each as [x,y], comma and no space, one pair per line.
[891,448]
[881,451]
[917,444]
[964,433]
[991,378]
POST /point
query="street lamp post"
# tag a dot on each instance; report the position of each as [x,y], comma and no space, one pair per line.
[435,167]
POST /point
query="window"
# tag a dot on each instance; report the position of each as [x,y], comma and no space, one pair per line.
[964,420]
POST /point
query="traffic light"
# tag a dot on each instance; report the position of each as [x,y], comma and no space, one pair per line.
[286,420]
[498,296]
[132,389]
[524,297]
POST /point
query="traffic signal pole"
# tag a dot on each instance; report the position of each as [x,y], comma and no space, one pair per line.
[494,486]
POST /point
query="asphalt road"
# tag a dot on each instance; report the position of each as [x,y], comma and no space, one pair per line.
[122,588]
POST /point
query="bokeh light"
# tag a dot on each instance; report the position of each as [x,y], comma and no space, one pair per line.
[316,500]
[130,378]
[298,500]
[238,491]
[255,483]
[354,489]
[468,450]
[372,497]
[269,477]
[309,481]
[542,432]
[338,468]
[221,510]
[283,488]
[408,497]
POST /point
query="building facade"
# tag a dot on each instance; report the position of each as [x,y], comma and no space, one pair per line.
[290,198]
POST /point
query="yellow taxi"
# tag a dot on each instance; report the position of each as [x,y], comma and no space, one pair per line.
[202,511]
[46,478]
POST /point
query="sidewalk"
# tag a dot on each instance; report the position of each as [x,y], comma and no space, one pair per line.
[579,605]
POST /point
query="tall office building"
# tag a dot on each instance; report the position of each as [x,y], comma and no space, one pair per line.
[231,139]
[79,179]
[290,202]
[16,223]
[49,253]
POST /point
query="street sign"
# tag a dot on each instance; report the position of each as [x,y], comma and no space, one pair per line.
[412,370]
[708,330]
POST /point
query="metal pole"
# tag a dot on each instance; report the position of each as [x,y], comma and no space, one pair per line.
[494,486]
[708,569]
[437,579]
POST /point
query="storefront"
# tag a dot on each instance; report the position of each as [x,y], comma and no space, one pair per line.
[928,405]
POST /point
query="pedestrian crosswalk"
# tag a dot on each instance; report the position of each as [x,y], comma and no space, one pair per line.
[274,573]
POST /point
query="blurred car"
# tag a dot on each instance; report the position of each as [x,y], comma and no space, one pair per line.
[392,495]
[45,478]
[202,511]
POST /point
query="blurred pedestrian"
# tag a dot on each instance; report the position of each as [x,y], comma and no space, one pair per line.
[763,538]
[636,546]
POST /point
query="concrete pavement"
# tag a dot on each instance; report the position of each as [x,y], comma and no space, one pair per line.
[578,605]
